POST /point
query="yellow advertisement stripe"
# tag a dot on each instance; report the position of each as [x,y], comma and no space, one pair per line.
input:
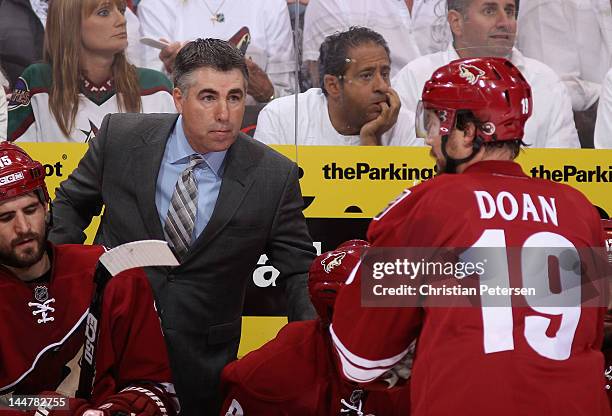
[338,179]
[358,182]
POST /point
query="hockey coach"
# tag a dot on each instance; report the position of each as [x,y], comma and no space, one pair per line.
[217,196]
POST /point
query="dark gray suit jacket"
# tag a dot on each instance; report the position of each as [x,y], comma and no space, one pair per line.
[259,209]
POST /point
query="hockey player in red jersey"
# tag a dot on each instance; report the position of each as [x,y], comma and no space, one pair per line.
[481,361]
[294,374]
[45,292]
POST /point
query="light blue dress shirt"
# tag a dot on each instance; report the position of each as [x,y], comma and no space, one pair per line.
[208,176]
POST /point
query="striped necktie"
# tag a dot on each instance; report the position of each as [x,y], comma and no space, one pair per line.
[182,211]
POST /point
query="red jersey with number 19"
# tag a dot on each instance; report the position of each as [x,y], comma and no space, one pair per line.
[502,360]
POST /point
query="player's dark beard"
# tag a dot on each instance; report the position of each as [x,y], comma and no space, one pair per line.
[440,166]
[450,165]
[28,257]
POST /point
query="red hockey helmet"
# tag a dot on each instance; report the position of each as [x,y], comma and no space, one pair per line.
[20,174]
[353,243]
[493,89]
[328,273]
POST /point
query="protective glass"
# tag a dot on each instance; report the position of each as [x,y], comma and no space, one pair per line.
[427,122]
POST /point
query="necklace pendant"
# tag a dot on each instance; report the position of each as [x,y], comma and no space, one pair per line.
[220,17]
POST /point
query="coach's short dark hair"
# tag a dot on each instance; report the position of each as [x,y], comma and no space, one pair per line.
[333,52]
[206,53]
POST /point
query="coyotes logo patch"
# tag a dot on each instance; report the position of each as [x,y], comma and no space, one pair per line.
[470,73]
[335,260]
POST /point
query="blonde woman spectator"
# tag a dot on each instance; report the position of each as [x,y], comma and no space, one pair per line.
[86,76]
[22,31]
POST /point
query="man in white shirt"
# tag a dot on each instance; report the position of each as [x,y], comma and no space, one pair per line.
[270,55]
[573,37]
[355,106]
[135,50]
[603,127]
[488,28]
[22,26]
[411,27]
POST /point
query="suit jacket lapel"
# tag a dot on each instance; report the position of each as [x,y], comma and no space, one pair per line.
[236,182]
[147,160]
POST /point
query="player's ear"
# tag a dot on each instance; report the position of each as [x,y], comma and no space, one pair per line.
[469,133]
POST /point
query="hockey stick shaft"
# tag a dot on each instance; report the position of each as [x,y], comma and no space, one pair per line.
[92,331]
[127,256]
